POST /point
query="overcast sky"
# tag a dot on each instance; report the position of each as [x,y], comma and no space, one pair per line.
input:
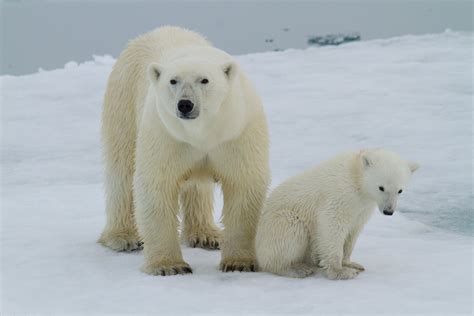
[48,34]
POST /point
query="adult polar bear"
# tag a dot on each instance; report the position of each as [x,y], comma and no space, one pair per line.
[178,115]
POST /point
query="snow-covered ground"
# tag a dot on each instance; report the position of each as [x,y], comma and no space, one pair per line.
[411,94]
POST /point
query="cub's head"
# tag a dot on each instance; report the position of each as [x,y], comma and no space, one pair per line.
[384,177]
[190,89]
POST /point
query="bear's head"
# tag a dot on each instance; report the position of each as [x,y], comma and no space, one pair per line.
[384,177]
[192,89]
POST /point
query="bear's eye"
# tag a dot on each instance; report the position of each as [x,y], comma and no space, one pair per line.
[204,81]
[173,82]
[382,189]
[400,191]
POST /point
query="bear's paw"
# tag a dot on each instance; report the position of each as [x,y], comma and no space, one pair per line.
[121,240]
[165,268]
[238,264]
[207,239]
[354,265]
[343,273]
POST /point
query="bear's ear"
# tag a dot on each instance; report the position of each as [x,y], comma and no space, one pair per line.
[366,161]
[413,166]
[230,70]
[154,72]
[364,157]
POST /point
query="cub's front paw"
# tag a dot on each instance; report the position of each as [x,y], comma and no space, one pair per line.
[166,268]
[343,273]
[238,264]
[121,240]
[354,265]
[207,239]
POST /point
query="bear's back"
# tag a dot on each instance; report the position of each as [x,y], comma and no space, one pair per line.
[150,47]
[328,179]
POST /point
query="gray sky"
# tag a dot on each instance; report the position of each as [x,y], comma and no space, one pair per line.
[48,34]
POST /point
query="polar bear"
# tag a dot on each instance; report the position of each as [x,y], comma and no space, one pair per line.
[178,116]
[312,220]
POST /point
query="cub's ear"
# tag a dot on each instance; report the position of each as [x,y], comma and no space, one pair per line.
[230,70]
[154,72]
[413,166]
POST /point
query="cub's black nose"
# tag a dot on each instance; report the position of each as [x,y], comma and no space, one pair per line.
[385,212]
[185,106]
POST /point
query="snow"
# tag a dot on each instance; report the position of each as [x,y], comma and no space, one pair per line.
[411,94]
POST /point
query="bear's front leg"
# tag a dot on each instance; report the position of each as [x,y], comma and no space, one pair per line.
[242,204]
[156,215]
[348,248]
[242,168]
[161,164]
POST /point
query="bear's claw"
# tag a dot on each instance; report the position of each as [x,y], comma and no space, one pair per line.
[167,269]
[238,265]
[205,238]
[204,243]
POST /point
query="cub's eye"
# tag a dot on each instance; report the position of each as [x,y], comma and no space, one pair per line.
[400,191]
[204,81]
[382,189]
[173,82]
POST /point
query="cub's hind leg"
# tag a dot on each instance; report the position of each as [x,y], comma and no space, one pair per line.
[282,245]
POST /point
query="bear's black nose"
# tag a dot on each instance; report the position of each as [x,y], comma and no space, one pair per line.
[389,213]
[185,106]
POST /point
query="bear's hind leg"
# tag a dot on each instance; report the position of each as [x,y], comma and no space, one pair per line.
[119,135]
[198,229]
[120,232]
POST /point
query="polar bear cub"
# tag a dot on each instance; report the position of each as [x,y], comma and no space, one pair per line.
[312,220]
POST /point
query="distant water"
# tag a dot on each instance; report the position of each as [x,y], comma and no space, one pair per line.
[47,34]
[458,218]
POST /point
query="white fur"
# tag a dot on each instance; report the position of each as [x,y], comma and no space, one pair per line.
[312,220]
[174,163]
